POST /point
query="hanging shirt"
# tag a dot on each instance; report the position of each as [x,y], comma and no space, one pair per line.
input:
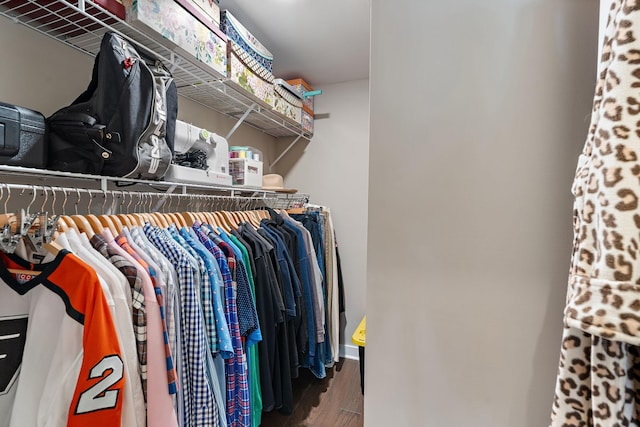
[312,222]
[238,398]
[173,316]
[289,290]
[247,316]
[204,290]
[269,314]
[80,383]
[139,316]
[291,293]
[200,409]
[252,340]
[123,242]
[160,412]
[224,345]
[133,409]
[172,295]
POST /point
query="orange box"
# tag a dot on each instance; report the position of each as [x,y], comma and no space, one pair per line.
[302,86]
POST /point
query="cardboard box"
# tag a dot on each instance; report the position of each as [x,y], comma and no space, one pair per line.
[170,24]
[303,87]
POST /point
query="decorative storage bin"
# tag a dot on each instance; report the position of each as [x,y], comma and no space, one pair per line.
[307,120]
[170,24]
[246,172]
[249,74]
[302,87]
[207,11]
[242,37]
[287,100]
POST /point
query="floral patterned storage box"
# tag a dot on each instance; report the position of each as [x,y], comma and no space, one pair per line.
[307,121]
[207,9]
[172,25]
[287,101]
[250,75]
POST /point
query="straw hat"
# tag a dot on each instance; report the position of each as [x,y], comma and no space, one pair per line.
[275,182]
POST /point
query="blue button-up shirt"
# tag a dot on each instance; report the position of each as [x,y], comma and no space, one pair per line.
[199,401]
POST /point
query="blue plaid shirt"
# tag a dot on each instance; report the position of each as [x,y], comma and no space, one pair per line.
[238,397]
[247,314]
[225,346]
[204,290]
[199,400]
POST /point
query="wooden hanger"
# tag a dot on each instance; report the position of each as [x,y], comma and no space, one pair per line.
[188,218]
[69,222]
[296,211]
[222,221]
[174,219]
[122,219]
[210,218]
[62,225]
[254,218]
[82,225]
[107,222]
[95,223]
[160,219]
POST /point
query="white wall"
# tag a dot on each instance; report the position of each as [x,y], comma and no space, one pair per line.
[334,169]
[478,112]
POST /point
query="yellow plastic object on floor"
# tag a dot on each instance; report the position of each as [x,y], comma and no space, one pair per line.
[358,339]
[360,333]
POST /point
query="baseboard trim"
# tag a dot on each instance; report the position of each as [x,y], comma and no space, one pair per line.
[349,352]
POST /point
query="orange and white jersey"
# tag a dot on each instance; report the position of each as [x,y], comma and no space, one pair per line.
[60,358]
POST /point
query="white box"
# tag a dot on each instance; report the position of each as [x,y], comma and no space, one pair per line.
[246,172]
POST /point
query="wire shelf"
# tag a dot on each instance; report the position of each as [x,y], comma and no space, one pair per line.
[29,177]
[81,25]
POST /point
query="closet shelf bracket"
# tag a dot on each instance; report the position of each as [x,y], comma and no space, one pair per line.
[240,120]
[286,150]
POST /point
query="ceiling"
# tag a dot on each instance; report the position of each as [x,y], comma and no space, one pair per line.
[322,41]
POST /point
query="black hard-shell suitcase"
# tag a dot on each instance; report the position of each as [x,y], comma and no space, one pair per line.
[23,137]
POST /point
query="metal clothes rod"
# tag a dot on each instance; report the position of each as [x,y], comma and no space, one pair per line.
[138,201]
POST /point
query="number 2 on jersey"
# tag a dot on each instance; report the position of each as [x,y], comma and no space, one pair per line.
[98,396]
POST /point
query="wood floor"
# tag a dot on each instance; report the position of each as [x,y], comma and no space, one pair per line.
[335,401]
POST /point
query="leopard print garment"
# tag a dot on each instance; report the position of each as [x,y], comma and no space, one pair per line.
[598,380]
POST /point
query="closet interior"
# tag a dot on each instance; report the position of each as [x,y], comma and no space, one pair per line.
[157,303]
